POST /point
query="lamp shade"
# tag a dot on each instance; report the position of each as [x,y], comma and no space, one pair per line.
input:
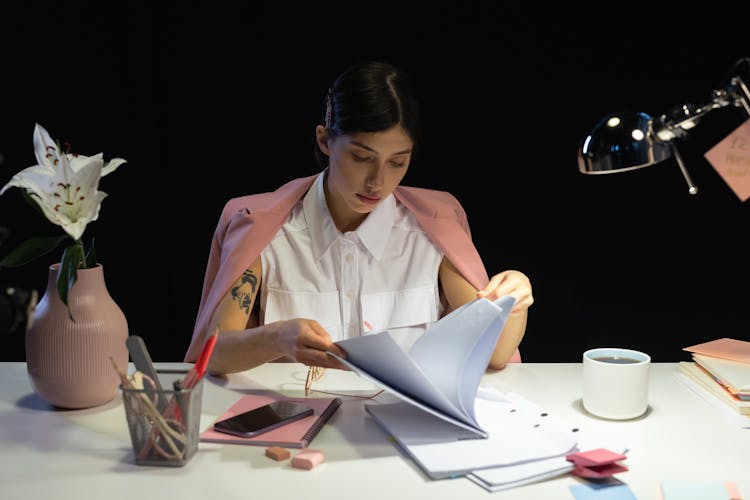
[621,141]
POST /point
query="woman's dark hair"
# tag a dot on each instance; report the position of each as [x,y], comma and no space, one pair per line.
[370,97]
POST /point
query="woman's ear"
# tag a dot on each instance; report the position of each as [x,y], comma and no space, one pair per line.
[321,135]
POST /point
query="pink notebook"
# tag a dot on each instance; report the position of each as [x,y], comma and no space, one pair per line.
[297,434]
[736,350]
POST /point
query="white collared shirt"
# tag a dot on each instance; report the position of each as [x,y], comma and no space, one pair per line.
[383,275]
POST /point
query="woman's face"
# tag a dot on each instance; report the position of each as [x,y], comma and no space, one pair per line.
[364,168]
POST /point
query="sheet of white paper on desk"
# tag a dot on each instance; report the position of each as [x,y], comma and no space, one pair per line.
[519,431]
[441,373]
[512,476]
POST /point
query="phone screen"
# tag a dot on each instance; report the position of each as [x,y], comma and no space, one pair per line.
[263,418]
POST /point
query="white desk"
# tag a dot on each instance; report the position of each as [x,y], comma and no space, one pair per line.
[83,454]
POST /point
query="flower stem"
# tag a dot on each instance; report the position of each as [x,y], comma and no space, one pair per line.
[82,262]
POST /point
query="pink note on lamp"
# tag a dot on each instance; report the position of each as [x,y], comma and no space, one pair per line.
[731,159]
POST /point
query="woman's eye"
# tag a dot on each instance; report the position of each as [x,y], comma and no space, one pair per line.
[361,158]
[398,164]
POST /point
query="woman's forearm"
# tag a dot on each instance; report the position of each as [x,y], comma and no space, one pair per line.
[509,340]
[239,350]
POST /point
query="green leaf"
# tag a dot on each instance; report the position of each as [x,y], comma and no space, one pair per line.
[67,275]
[91,255]
[32,201]
[31,249]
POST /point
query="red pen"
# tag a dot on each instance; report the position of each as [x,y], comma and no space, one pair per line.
[202,363]
[199,369]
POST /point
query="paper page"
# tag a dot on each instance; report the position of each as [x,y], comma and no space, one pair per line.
[377,358]
[736,350]
[734,374]
[469,334]
[699,375]
[517,433]
[510,476]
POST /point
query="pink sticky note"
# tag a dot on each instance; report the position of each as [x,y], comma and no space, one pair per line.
[734,492]
[731,159]
[598,471]
[598,456]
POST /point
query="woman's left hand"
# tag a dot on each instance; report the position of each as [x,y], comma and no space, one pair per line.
[513,283]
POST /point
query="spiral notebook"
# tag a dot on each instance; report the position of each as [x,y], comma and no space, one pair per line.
[297,434]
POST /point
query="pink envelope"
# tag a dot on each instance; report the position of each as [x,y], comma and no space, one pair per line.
[736,350]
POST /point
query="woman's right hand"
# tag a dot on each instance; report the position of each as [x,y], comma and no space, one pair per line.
[306,341]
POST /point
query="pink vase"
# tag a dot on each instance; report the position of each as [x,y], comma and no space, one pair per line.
[68,361]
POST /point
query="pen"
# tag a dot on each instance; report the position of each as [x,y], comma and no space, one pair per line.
[205,356]
[199,369]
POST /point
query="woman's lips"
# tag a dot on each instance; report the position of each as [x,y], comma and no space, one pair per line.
[368,199]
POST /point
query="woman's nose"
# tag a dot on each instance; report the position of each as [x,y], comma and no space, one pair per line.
[376,175]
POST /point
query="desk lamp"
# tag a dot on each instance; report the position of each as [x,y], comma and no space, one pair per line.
[630,140]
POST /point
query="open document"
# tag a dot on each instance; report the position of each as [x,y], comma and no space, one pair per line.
[443,369]
[522,437]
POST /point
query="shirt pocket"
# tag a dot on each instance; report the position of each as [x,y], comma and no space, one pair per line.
[411,307]
[323,307]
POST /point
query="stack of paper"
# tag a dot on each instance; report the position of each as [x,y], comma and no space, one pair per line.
[526,442]
[441,418]
[722,368]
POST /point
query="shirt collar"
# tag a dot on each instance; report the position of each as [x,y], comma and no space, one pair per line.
[323,232]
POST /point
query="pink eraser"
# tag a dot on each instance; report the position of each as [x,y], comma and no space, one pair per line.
[307,459]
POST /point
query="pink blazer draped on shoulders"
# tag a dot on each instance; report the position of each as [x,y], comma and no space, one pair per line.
[248,224]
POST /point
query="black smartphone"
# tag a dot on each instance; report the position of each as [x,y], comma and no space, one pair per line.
[263,419]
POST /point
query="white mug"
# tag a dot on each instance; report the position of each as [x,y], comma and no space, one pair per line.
[615,382]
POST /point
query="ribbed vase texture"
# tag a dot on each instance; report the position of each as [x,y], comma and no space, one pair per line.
[68,361]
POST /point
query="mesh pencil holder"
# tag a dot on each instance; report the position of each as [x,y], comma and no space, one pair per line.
[164,423]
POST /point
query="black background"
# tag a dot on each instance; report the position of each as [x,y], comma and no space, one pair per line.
[209,100]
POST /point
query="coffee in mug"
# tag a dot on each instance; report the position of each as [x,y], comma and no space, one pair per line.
[615,382]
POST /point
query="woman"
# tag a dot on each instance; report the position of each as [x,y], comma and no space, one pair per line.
[348,250]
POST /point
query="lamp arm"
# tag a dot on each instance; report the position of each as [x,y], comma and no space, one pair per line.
[680,120]
[745,97]
[692,188]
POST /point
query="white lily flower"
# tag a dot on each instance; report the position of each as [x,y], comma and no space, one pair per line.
[68,197]
[66,188]
[48,155]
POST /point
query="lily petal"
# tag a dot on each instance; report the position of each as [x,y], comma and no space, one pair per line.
[112,165]
[45,149]
[29,178]
[77,162]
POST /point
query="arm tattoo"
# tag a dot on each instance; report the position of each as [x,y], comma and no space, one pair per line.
[240,294]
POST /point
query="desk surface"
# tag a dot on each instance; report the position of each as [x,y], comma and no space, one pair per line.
[80,454]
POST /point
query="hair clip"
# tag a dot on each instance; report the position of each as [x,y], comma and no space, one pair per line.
[329,107]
